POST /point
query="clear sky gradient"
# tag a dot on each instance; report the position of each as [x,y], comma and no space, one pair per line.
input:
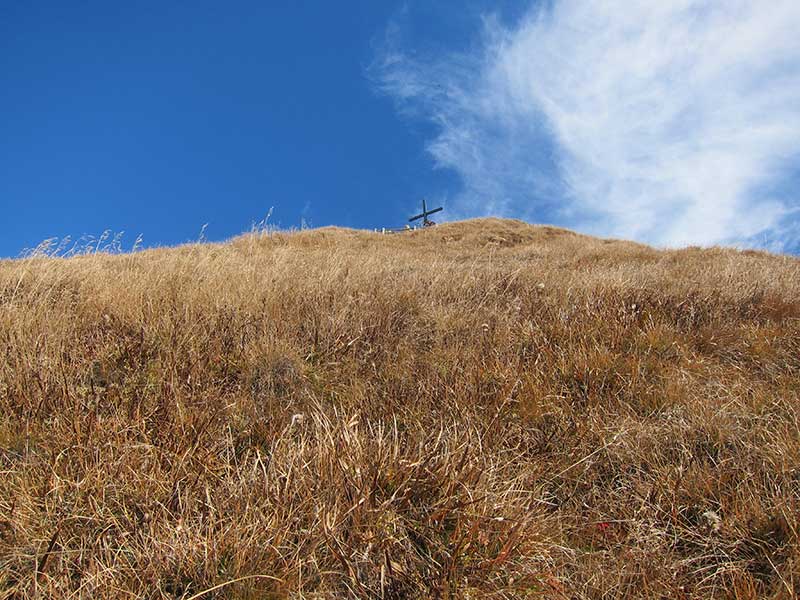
[155,118]
[158,117]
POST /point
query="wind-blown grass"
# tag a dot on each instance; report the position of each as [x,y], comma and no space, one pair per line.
[482,409]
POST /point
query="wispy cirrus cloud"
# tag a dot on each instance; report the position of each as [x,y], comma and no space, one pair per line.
[669,122]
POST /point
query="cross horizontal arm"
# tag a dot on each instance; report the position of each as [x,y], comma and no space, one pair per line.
[425,214]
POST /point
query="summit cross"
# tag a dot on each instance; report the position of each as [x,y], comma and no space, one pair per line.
[426,222]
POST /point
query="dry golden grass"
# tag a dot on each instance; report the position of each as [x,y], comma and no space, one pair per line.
[483,409]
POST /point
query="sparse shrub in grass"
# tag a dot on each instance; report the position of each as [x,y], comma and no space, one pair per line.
[483,409]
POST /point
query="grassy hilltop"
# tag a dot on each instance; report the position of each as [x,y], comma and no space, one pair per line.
[484,409]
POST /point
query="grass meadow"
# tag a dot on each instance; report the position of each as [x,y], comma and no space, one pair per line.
[483,409]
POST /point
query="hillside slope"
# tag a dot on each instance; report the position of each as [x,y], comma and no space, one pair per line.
[484,409]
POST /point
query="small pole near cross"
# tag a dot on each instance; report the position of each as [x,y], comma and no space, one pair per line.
[426,222]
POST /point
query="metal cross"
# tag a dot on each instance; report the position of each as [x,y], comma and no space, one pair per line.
[426,222]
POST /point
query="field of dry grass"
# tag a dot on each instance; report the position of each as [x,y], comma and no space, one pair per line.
[483,409]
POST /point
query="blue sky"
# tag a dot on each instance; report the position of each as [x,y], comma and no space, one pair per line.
[158,117]
[674,126]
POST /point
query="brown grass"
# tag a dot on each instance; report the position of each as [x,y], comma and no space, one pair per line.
[484,409]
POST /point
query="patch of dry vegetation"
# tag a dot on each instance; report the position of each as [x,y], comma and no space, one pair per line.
[483,409]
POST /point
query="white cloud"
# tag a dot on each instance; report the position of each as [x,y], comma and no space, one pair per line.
[674,122]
